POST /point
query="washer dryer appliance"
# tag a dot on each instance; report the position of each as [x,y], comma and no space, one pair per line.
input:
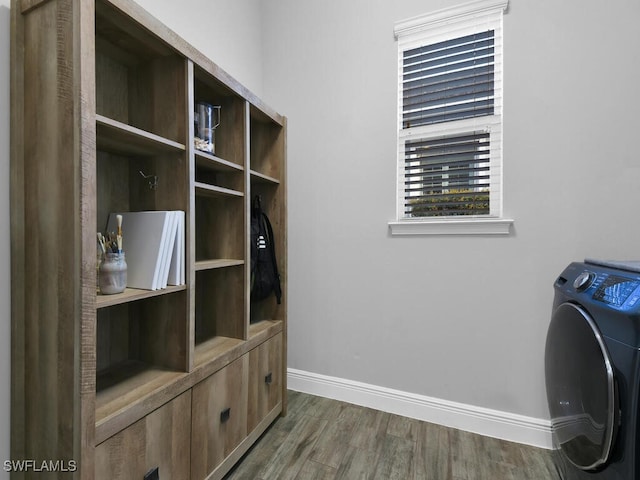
[592,368]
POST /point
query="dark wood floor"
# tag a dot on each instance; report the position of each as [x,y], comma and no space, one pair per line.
[326,439]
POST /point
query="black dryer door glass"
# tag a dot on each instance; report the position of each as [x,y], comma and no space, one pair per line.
[580,387]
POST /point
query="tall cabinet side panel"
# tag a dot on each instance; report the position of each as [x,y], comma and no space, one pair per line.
[17,223]
[53,184]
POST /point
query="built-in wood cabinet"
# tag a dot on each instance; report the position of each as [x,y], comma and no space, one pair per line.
[160,441]
[219,416]
[265,380]
[102,120]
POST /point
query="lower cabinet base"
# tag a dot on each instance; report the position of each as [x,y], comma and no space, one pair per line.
[245,445]
[232,407]
[160,440]
[205,430]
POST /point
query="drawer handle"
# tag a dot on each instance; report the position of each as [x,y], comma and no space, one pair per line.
[152,474]
[268,379]
[225,414]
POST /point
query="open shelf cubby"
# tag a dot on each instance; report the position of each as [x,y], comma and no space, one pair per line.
[219,303]
[229,136]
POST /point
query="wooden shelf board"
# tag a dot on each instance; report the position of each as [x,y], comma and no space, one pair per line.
[218,352]
[133,294]
[126,385]
[257,328]
[215,191]
[118,137]
[214,348]
[217,263]
[217,164]
[262,178]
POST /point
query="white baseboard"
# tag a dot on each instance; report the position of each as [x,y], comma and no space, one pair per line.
[492,423]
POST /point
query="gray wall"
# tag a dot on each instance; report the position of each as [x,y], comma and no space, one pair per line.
[461,319]
[456,318]
[227,31]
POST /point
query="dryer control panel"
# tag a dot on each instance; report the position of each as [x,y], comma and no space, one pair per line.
[616,290]
[616,284]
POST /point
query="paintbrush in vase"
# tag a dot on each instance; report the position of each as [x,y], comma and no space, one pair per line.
[119,236]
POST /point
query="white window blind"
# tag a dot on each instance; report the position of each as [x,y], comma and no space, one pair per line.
[450,114]
[447,176]
[449,80]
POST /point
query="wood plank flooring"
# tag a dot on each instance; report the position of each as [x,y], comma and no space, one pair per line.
[323,439]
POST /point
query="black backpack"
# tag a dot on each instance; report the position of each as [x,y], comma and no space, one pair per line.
[265,278]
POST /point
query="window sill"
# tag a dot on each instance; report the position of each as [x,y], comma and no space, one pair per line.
[470,226]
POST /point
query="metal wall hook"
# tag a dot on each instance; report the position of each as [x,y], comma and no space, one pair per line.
[153,182]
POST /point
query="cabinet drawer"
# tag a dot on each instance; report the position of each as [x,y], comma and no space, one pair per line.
[265,380]
[159,440]
[219,416]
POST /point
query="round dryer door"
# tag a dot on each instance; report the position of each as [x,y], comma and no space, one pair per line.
[580,388]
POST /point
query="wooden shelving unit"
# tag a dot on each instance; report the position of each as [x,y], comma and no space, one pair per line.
[103,99]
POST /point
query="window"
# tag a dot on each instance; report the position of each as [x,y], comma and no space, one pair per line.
[450,121]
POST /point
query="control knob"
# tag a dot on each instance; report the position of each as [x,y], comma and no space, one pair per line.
[583,281]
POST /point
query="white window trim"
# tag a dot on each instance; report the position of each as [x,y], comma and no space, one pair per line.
[470,11]
[453,226]
[435,27]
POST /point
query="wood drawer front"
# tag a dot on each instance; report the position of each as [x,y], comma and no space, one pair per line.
[219,416]
[265,380]
[161,439]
